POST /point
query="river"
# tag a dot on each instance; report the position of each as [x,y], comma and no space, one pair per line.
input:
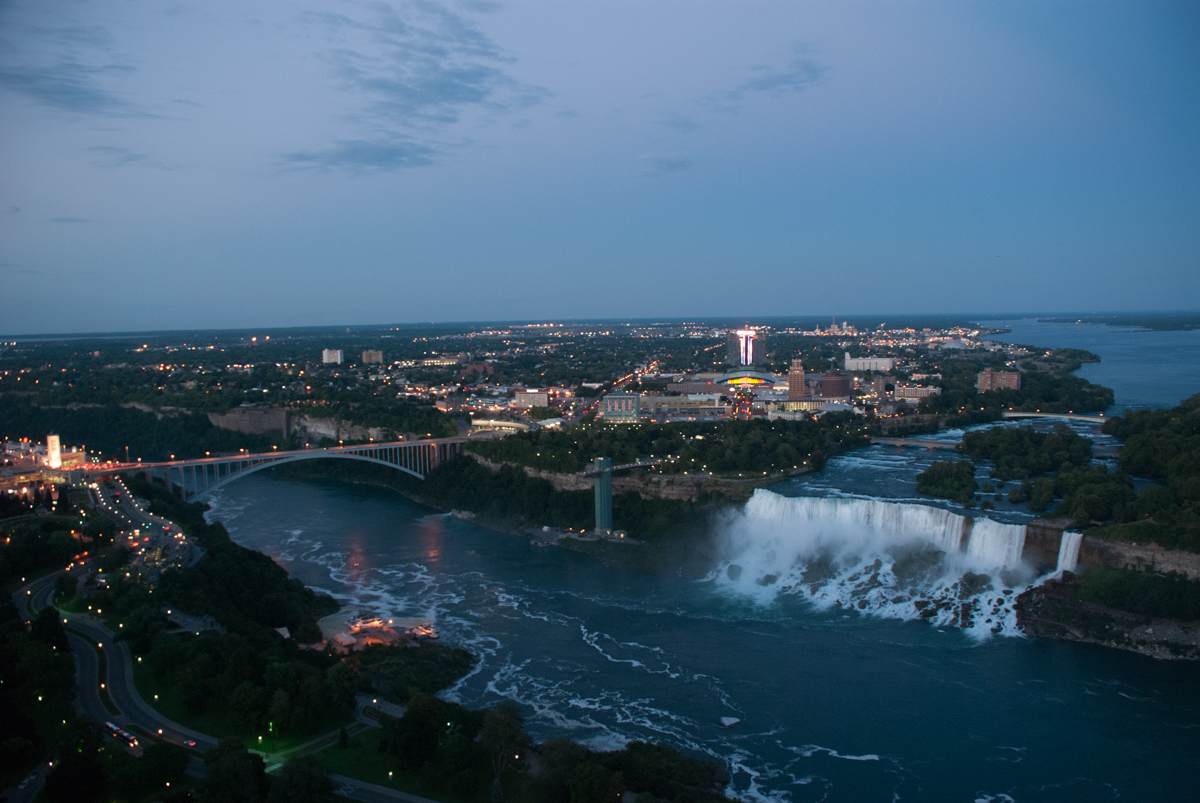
[1144,368]
[843,693]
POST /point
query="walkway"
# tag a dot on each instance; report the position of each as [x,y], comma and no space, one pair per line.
[1095,419]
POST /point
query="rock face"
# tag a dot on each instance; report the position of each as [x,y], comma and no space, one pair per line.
[255,420]
[1129,555]
[333,429]
[1042,538]
[1054,610]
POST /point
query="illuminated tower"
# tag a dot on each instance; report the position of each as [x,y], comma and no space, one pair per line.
[53,451]
[743,347]
[603,469]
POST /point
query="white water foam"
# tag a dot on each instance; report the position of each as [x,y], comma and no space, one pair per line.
[893,560]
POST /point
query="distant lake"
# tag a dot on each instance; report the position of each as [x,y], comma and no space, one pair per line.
[1144,368]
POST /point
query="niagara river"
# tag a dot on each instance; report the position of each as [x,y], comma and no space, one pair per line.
[863,634]
[835,702]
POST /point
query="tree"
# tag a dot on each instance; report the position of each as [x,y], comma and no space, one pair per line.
[343,738]
[234,775]
[505,738]
[77,777]
[48,627]
[302,780]
[64,587]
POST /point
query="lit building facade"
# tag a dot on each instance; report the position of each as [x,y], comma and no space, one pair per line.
[744,348]
[370,357]
[987,379]
[915,392]
[868,363]
[796,386]
[835,385]
[331,356]
[53,451]
[621,408]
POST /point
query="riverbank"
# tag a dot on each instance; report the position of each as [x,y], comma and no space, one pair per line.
[675,537]
[1055,610]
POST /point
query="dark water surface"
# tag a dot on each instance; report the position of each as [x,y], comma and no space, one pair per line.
[1144,368]
[834,705]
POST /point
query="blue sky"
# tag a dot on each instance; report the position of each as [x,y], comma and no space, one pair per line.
[225,164]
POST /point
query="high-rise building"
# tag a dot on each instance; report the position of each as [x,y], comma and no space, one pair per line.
[796,388]
[744,347]
[603,469]
[329,356]
[987,379]
[369,357]
[53,451]
[835,385]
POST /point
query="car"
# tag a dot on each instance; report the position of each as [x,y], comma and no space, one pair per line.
[190,743]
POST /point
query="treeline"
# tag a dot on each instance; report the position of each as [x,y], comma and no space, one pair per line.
[1162,445]
[111,428]
[34,546]
[245,678]
[1049,391]
[245,674]
[727,448]
[37,682]
[456,753]
[950,480]
[91,766]
[1149,594]
[510,499]
[1018,453]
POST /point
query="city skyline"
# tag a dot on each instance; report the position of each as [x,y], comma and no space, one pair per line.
[228,166]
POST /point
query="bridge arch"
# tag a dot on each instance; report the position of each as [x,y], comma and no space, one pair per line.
[240,473]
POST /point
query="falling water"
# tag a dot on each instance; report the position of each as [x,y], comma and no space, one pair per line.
[1068,551]
[884,558]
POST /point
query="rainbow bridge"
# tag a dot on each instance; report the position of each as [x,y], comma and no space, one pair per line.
[197,478]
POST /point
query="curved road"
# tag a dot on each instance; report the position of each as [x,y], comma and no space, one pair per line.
[137,712]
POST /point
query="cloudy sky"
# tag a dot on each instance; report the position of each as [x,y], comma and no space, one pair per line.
[226,164]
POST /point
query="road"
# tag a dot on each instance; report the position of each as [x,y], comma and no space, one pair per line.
[137,712]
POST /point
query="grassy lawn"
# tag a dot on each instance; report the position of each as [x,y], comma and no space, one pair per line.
[219,721]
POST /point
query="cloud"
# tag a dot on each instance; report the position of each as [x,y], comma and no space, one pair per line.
[417,68]
[364,156]
[680,123]
[116,157]
[660,165]
[70,85]
[798,74]
[68,220]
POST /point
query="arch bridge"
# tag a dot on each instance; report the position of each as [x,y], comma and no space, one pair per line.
[200,477]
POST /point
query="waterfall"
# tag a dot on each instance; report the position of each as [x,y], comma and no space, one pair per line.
[829,521]
[1068,551]
[888,559]
[996,544]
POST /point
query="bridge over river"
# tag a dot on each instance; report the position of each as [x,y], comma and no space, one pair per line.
[199,477]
